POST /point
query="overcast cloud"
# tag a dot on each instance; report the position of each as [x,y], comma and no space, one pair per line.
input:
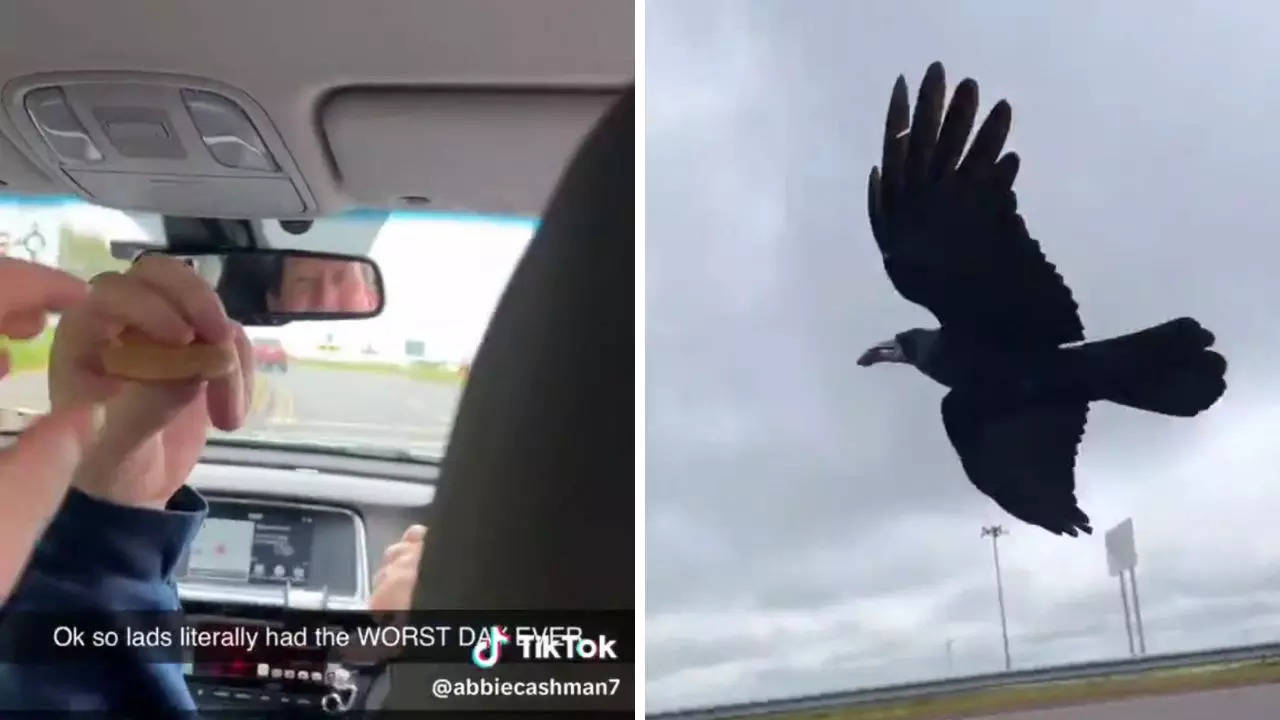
[808,525]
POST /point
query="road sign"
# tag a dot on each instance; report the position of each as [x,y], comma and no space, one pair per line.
[1121,554]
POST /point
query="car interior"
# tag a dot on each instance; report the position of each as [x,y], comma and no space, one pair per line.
[244,127]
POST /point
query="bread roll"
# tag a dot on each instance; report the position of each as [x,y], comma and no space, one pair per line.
[135,357]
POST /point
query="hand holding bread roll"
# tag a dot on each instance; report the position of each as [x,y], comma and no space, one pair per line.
[154,348]
[133,356]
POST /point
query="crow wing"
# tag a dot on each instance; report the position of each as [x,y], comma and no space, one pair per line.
[949,231]
[1022,456]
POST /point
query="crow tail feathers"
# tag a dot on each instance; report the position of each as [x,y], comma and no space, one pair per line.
[1167,369]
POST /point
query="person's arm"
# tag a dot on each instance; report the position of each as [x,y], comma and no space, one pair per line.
[114,542]
[36,470]
[99,556]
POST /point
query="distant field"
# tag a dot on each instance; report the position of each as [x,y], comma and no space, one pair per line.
[419,371]
[30,354]
[33,354]
[1056,694]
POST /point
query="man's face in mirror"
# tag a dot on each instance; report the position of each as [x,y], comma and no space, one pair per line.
[315,285]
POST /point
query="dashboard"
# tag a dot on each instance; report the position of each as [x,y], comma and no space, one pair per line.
[288,533]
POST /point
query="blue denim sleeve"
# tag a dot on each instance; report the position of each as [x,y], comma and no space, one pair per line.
[100,557]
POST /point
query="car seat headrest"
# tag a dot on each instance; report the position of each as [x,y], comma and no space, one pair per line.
[536,503]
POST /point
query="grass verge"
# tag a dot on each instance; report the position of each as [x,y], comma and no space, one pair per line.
[418,371]
[435,373]
[26,355]
[1057,694]
[260,392]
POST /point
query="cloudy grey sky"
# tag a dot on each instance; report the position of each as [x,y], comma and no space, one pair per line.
[808,525]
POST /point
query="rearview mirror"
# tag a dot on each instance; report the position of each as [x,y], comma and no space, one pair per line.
[274,287]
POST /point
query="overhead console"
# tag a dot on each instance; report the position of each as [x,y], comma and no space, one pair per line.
[159,143]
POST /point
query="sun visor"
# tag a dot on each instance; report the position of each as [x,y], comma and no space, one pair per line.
[156,143]
[456,151]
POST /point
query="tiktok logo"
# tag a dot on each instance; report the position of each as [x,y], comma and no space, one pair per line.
[488,648]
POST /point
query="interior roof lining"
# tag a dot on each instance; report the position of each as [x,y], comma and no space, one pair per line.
[292,56]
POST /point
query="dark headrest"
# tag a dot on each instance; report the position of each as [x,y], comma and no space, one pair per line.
[536,503]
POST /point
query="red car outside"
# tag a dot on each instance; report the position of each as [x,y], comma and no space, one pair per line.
[269,354]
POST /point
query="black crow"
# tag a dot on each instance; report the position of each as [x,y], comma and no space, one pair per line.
[1010,346]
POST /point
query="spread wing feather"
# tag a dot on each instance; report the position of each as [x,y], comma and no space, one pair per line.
[948,227]
[1021,456]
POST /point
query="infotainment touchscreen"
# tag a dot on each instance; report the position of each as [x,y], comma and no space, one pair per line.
[281,547]
[253,544]
[222,550]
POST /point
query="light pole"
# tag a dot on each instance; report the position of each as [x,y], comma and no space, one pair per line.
[1137,611]
[950,667]
[995,531]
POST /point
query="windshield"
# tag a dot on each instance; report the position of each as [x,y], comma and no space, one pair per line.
[388,384]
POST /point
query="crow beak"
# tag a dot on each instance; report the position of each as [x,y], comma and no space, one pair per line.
[887,351]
